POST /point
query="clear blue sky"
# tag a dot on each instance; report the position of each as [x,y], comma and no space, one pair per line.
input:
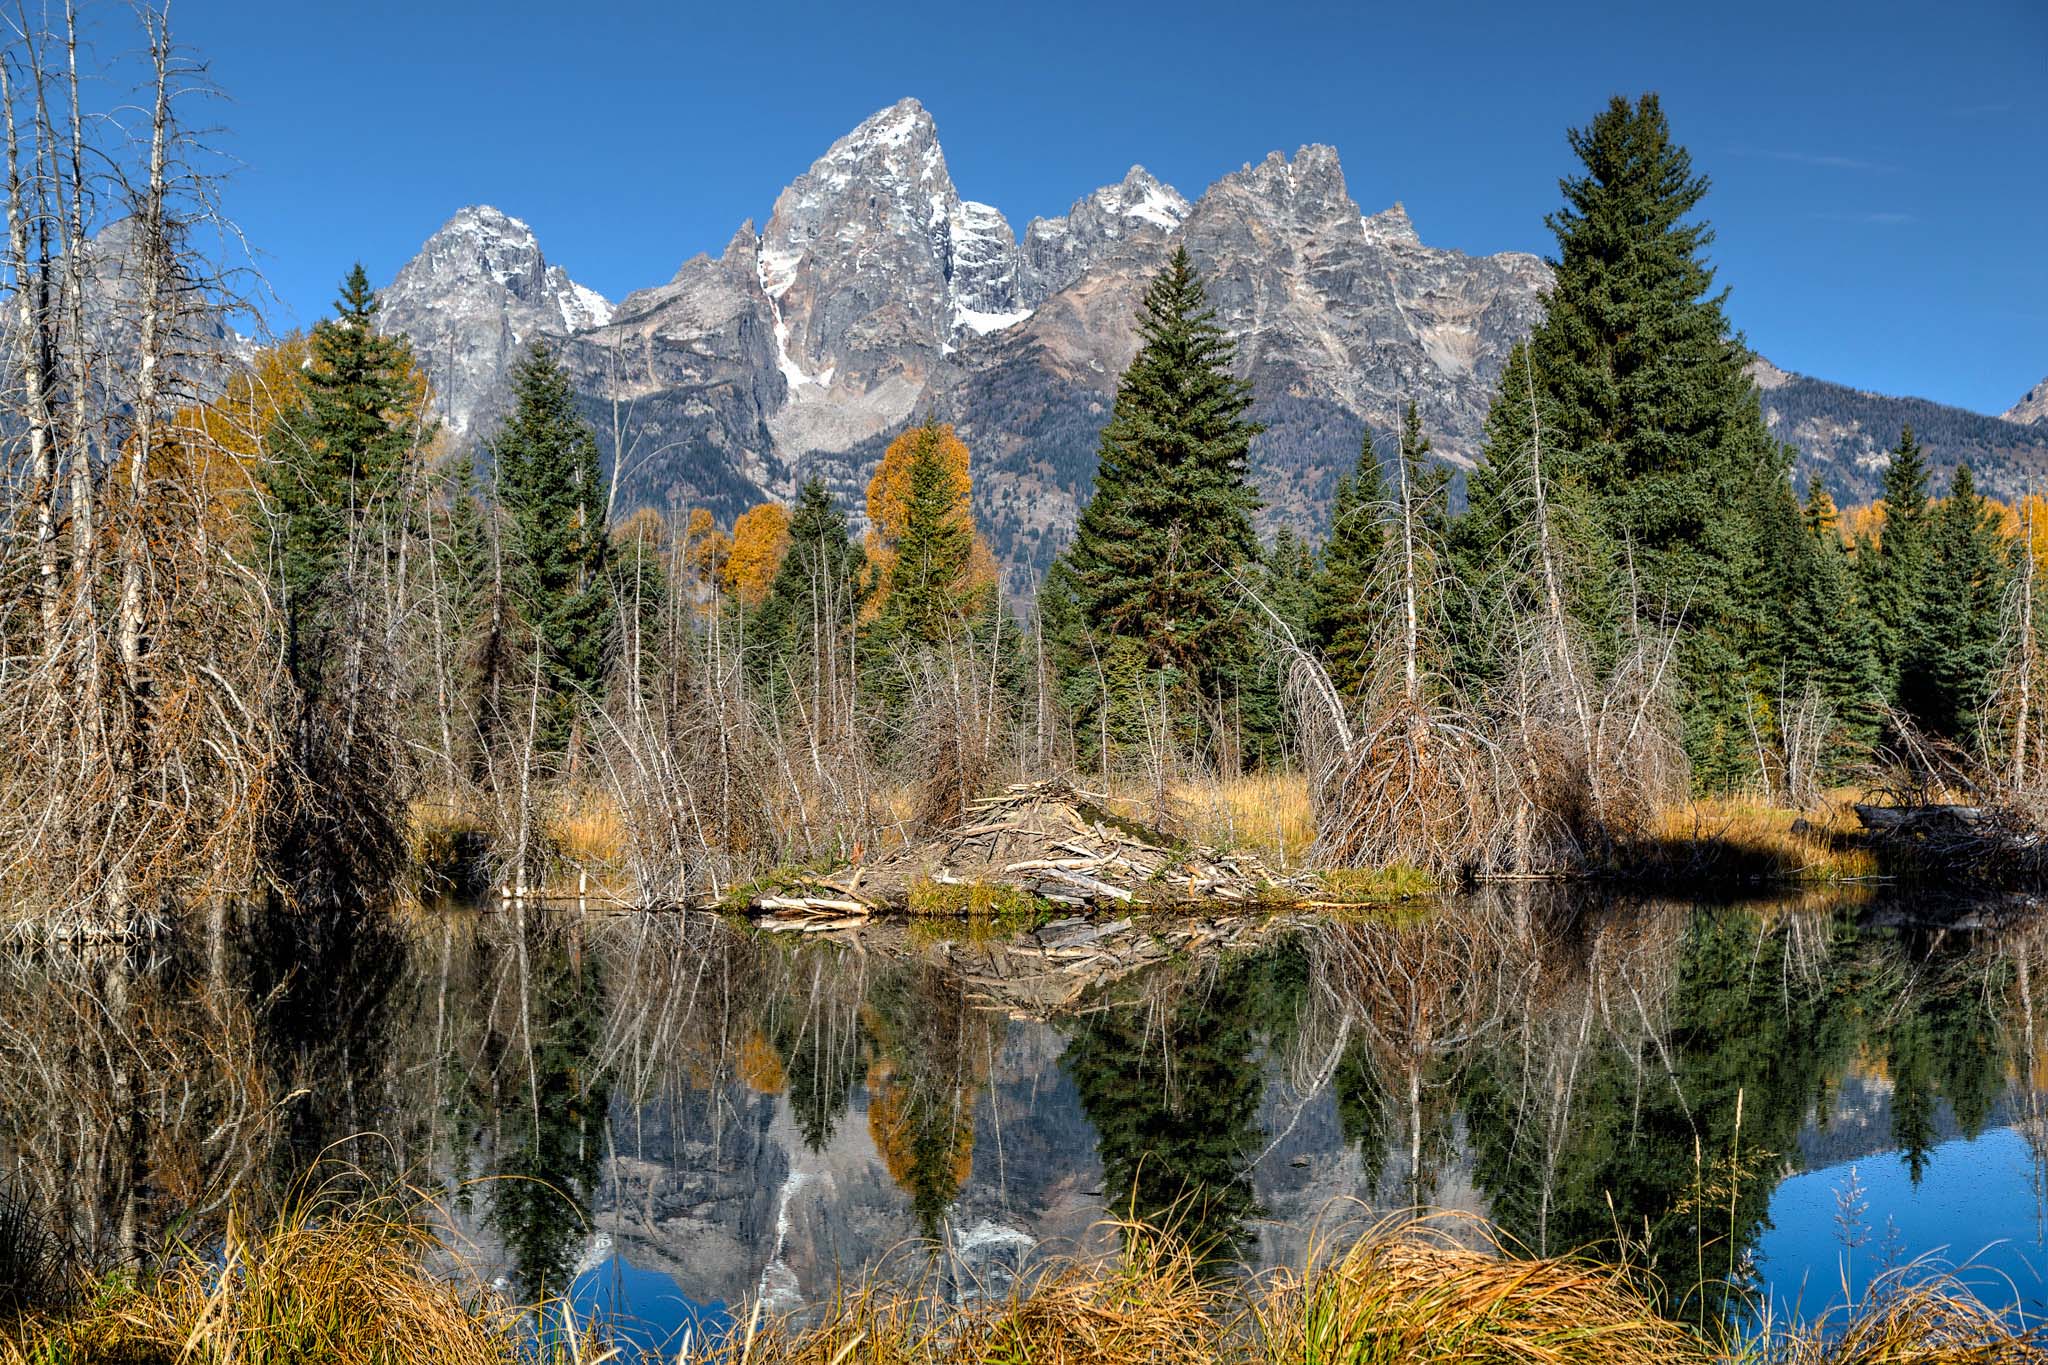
[1880,167]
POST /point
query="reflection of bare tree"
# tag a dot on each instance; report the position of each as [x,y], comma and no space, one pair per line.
[129,1096]
[2018,959]
[1421,989]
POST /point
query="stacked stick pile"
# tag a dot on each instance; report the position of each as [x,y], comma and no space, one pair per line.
[1050,841]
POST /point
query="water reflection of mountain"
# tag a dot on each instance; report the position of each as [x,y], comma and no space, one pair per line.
[749,1116]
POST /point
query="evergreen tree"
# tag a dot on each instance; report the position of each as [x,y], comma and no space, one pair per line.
[815,597]
[1828,644]
[1346,613]
[556,543]
[928,590]
[1429,483]
[1287,588]
[1951,651]
[1646,407]
[1290,581]
[332,480]
[333,832]
[1169,525]
[1894,569]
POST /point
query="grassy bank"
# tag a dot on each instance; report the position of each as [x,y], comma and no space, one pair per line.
[1727,843]
[351,1285]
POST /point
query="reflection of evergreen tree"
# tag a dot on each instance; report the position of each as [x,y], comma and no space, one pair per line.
[1910,1055]
[1175,1108]
[551,1099]
[1745,1037]
[322,987]
[932,1049]
[820,1071]
[1942,1046]
[1364,1109]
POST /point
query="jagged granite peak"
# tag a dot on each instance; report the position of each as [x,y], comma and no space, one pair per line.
[1135,216]
[2032,409]
[1391,227]
[872,265]
[478,291]
[1337,311]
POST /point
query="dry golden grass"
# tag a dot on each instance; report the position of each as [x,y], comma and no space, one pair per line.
[1413,1292]
[349,1283]
[1914,1316]
[588,830]
[1742,839]
[340,1281]
[1265,813]
[1149,1304]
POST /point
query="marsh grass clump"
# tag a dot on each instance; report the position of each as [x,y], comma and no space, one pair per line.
[1413,1292]
[338,1280]
[1915,1314]
[928,897]
[1150,1303]
[32,1270]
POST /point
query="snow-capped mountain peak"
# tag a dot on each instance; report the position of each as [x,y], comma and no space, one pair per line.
[478,291]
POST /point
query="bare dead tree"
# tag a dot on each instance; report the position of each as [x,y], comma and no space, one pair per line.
[139,693]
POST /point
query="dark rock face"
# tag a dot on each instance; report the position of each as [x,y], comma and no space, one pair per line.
[680,384]
[876,290]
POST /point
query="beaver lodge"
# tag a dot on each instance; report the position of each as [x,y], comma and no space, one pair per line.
[1038,845]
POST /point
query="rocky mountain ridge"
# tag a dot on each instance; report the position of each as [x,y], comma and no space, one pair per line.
[875,290]
[2032,407]
[476,293]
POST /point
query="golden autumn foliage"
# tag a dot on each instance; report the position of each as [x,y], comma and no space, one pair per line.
[893,1123]
[644,531]
[1822,513]
[213,449]
[1862,523]
[2023,521]
[760,538]
[760,1065]
[889,509]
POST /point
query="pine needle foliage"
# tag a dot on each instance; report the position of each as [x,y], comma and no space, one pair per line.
[1158,548]
[553,494]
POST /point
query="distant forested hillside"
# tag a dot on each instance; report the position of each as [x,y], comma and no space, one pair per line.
[1843,434]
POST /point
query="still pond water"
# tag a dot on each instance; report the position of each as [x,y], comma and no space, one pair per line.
[665,1116]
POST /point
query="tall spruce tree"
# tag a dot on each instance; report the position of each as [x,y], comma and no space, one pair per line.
[1828,645]
[1894,568]
[1169,526]
[1346,613]
[1951,651]
[333,477]
[557,547]
[815,597]
[1646,407]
